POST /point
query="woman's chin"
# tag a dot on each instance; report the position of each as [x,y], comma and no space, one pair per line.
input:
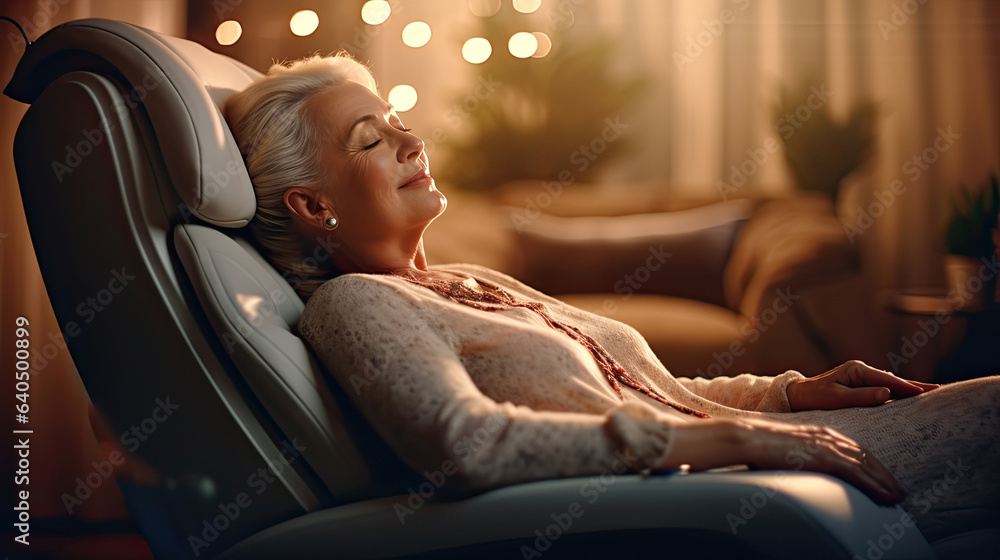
[444,203]
[430,208]
[437,202]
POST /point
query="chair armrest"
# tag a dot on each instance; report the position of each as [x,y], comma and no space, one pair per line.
[775,514]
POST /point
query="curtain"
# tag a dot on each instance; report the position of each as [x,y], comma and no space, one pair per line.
[716,67]
[930,65]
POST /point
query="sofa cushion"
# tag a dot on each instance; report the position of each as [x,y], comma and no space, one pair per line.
[693,338]
[683,333]
[681,254]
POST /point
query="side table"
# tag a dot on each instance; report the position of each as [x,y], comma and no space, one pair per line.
[939,343]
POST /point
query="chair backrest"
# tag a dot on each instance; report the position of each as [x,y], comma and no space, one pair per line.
[124,162]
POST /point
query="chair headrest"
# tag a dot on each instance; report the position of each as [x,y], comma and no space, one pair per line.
[180,83]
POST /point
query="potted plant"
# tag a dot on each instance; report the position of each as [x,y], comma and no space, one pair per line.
[544,110]
[970,233]
[822,149]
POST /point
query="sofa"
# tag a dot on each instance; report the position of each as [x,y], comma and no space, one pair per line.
[716,288]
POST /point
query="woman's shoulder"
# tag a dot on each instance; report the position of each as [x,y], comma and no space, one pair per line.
[351,284]
[355,295]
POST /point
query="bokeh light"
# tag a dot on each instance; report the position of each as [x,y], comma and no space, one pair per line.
[527,6]
[522,44]
[477,50]
[484,8]
[544,44]
[228,32]
[304,22]
[416,34]
[402,97]
[375,12]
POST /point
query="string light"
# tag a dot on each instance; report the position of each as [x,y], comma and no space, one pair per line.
[477,50]
[527,6]
[304,22]
[375,12]
[416,34]
[484,8]
[544,44]
[402,97]
[522,44]
[228,32]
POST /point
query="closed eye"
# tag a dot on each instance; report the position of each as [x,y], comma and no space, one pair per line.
[376,143]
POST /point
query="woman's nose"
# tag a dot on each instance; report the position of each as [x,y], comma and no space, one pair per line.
[410,147]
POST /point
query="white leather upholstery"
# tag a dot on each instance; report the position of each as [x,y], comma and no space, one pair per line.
[254,311]
[805,515]
[202,159]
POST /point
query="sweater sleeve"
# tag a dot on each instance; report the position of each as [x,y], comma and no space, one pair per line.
[406,377]
[746,391]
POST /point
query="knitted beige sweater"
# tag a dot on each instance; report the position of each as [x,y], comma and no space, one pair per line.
[494,398]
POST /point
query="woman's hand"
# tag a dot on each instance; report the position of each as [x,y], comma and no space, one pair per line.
[779,446]
[774,445]
[851,384]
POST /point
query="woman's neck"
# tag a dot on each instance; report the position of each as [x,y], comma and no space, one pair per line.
[382,258]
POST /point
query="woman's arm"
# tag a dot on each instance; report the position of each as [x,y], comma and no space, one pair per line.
[746,391]
[853,383]
[781,446]
[405,376]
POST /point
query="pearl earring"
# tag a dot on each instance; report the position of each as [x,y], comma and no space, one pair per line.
[331,223]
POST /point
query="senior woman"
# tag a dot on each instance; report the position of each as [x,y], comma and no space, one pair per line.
[463,366]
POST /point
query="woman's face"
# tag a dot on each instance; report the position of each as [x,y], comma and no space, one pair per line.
[377,176]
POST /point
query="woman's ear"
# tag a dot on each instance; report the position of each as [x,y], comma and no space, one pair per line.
[308,205]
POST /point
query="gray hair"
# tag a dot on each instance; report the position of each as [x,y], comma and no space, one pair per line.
[280,144]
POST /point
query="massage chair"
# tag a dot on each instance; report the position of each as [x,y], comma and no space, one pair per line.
[128,170]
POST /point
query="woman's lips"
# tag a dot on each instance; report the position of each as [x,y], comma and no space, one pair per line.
[420,178]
